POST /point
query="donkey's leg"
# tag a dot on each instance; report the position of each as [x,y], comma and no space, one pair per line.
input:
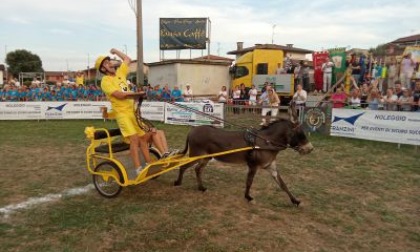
[250,178]
[182,169]
[276,176]
[198,170]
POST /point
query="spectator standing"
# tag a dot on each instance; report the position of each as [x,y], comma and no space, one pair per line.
[406,100]
[270,102]
[80,79]
[305,77]
[407,70]
[390,100]
[236,97]
[354,100]
[252,94]
[244,97]
[188,93]
[327,68]
[223,95]
[374,99]
[416,96]
[355,68]
[300,98]
[392,75]
[280,69]
[398,89]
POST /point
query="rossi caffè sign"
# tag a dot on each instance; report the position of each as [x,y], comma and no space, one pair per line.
[183,33]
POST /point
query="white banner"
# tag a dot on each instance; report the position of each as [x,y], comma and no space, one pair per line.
[377,125]
[154,111]
[180,116]
[70,110]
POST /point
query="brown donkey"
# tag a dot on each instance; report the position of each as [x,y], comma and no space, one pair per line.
[268,142]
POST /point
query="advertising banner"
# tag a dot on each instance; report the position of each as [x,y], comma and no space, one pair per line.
[384,126]
[182,33]
[319,59]
[69,110]
[180,116]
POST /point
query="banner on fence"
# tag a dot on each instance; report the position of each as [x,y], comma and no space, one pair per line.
[69,110]
[316,119]
[180,116]
[385,126]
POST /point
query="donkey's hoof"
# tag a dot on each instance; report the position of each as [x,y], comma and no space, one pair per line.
[177,183]
[249,198]
[296,202]
[202,188]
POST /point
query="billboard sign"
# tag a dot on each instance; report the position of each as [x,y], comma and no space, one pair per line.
[182,33]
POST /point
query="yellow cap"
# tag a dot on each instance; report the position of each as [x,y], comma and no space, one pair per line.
[99,61]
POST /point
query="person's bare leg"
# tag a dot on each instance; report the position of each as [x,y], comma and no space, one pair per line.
[134,143]
[156,139]
[144,147]
[162,137]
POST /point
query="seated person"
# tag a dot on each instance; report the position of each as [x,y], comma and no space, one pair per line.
[176,95]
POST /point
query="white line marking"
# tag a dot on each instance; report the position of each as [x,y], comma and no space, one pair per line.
[31,202]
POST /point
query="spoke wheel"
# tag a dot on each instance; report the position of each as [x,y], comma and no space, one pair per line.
[107,186]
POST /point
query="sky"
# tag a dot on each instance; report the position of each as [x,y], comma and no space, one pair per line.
[70,35]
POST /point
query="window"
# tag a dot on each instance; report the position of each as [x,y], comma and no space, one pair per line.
[241,71]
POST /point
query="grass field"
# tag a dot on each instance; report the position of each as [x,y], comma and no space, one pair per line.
[356,196]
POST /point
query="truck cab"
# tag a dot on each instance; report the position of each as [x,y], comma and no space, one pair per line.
[259,66]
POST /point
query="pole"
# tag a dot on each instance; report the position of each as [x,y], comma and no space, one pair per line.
[88,71]
[5,66]
[140,73]
[209,38]
[272,35]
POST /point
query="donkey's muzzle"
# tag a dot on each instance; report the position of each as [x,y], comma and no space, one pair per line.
[306,149]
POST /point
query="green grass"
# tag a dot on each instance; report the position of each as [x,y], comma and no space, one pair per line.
[356,196]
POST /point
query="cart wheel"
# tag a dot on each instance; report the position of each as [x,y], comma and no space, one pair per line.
[106,185]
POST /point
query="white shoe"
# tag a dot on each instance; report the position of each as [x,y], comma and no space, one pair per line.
[170,153]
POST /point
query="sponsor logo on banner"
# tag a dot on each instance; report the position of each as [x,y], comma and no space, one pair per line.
[178,115]
[386,126]
[59,108]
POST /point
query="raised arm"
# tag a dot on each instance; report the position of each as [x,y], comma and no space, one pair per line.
[122,55]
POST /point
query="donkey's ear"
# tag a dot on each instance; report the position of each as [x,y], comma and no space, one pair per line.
[293,113]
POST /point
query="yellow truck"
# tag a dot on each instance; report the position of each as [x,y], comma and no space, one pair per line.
[259,66]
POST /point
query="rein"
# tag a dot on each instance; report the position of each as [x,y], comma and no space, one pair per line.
[248,130]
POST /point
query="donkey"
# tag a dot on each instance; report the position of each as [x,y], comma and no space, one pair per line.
[268,142]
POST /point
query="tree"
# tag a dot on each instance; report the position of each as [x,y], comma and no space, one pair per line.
[23,61]
[380,50]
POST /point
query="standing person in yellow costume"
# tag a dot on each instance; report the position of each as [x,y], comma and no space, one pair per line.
[80,79]
[114,85]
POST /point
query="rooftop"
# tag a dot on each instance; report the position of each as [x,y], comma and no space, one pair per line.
[288,48]
[403,40]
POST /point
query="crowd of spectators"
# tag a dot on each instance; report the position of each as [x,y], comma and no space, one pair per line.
[39,91]
[369,96]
